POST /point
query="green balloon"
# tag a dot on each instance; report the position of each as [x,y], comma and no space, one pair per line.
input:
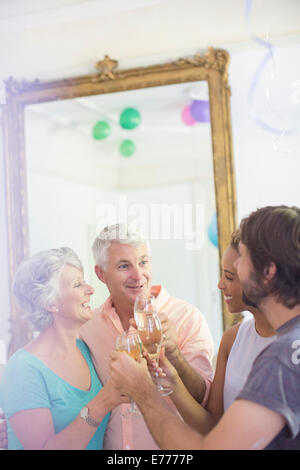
[101,130]
[127,148]
[130,118]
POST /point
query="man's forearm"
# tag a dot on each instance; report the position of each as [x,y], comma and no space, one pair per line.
[193,381]
[169,431]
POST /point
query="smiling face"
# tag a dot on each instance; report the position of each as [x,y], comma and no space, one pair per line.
[74,297]
[128,272]
[229,283]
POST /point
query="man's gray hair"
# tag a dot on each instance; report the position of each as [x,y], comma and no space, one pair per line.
[122,233]
[36,283]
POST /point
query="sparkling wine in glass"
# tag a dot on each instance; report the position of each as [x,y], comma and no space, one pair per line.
[150,334]
[130,343]
[150,331]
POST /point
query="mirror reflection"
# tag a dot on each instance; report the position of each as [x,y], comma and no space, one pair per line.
[143,157]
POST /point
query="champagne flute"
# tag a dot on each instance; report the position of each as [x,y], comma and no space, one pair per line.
[130,343]
[150,331]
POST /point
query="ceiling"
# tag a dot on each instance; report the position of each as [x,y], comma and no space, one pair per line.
[60,38]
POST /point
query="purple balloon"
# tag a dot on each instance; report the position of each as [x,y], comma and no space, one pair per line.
[199,110]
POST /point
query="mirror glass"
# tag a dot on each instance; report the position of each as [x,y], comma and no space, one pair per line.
[142,156]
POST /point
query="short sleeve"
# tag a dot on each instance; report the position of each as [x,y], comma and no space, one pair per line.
[22,385]
[273,385]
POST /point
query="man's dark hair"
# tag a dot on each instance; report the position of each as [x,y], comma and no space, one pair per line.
[272,234]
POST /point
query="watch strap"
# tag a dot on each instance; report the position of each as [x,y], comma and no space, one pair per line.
[91,422]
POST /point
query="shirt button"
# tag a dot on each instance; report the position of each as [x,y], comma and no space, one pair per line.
[127,447]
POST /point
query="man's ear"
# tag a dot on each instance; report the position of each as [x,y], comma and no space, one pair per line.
[270,271]
[100,273]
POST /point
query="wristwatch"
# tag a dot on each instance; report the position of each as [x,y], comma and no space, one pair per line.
[85,414]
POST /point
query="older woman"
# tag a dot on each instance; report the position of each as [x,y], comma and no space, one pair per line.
[50,392]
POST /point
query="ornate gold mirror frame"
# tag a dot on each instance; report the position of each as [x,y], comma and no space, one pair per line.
[211,67]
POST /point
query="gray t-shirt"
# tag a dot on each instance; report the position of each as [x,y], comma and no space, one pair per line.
[274,382]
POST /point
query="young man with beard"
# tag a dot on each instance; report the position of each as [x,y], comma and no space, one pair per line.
[266,413]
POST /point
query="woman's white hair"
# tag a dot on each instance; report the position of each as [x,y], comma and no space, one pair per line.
[36,283]
[122,233]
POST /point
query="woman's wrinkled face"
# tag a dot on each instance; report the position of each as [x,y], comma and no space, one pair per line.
[74,296]
[229,283]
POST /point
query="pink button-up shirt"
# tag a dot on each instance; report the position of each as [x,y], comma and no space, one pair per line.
[194,341]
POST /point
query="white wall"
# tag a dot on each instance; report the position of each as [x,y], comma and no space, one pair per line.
[265,172]
[68,38]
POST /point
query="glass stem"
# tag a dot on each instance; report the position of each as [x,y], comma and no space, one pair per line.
[133,407]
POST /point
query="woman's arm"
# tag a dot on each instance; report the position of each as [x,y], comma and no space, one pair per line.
[194,414]
[215,404]
[194,356]
[200,418]
[35,430]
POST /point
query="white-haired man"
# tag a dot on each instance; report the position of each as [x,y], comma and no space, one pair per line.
[123,263]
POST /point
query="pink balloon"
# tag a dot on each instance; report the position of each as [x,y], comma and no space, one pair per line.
[187,117]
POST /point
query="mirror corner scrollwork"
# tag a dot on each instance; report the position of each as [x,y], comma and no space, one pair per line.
[211,66]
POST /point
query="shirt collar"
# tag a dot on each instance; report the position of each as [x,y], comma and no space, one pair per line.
[159,292]
[109,310]
[288,325]
[161,295]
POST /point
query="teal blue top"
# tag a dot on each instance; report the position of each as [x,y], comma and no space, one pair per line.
[28,383]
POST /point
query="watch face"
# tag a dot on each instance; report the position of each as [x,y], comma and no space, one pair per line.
[84,412]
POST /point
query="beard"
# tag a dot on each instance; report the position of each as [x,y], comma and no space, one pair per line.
[254,291]
[247,301]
